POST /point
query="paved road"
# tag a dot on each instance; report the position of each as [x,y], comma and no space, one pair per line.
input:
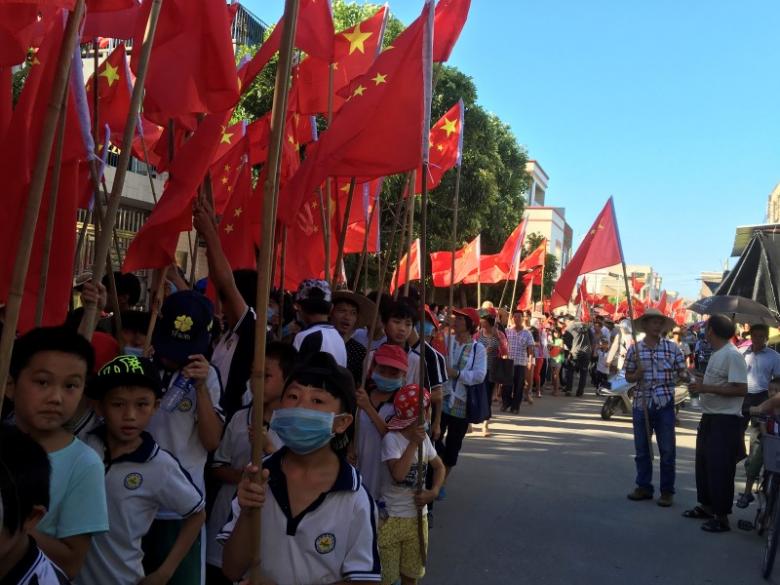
[543,501]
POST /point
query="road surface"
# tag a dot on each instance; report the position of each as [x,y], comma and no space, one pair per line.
[543,501]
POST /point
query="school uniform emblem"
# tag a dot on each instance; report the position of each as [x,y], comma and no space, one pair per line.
[185,405]
[325,543]
[133,480]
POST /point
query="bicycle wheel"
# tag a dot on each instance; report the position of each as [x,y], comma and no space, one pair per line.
[765,502]
[773,533]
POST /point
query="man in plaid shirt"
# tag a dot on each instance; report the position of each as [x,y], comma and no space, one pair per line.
[659,366]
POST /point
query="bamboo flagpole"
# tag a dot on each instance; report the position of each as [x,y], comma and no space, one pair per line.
[403,224]
[35,195]
[106,231]
[364,255]
[265,257]
[410,233]
[51,213]
[645,410]
[454,243]
[344,228]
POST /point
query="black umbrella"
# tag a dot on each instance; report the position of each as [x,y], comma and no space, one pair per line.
[741,309]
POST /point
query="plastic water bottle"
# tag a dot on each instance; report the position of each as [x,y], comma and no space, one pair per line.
[174,395]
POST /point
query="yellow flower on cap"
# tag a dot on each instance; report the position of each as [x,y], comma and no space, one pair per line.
[183,323]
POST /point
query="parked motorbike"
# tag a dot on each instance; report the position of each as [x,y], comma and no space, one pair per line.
[619,395]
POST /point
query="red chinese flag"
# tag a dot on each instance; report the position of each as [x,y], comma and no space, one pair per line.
[192,68]
[355,49]
[115,24]
[305,246]
[525,302]
[17,29]
[636,284]
[466,261]
[362,213]
[114,91]
[66,4]
[412,259]
[231,157]
[535,259]
[489,272]
[110,5]
[148,134]
[509,256]
[235,227]
[379,131]
[313,35]
[450,17]
[599,249]
[155,244]
[446,147]
[662,304]
[259,133]
[6,98]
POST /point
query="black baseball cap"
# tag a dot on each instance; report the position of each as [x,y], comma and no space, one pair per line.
[125,370]
[184,326]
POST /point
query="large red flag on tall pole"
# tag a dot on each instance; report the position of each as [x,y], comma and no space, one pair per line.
[446,147]
[449,19]
[412,258]
[383,126]
[599,249]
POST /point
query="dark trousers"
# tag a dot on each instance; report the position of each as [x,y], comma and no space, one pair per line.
[453,429]
[489,389]
[719,447]
[751,400]
[512,395]
[662,424]
[577,364]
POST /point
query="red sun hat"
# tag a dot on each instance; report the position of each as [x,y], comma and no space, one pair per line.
[407,404]
[470,313]
[392,356]
[432,317]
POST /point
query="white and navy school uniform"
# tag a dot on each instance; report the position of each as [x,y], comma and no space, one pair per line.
[233,356]
[137,485]
[35,568]
[321,337]
[177,431]
[334,539]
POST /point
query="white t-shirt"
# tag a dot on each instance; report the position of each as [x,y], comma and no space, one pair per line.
[333,540]
[369,446]
[177,431]
[602,366]
[322,337]
[399,496]
[726,366]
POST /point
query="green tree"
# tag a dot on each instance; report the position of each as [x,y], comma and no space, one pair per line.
[534,240]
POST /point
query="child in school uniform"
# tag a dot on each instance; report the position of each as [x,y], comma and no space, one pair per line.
[140,477]
[24,496]
[388,370]
[49,369]
[318,520]
[189,421]
[235,451]
[399,545]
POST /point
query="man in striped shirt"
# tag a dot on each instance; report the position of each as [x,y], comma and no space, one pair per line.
[521,346]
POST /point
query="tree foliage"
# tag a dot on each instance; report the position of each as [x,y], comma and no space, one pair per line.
[493,176]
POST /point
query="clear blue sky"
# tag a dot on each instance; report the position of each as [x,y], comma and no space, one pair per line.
[670,106]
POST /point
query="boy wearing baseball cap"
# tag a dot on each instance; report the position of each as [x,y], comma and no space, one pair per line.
[313,302]
[190,418]
[387,375]
[399,546]
[140,477]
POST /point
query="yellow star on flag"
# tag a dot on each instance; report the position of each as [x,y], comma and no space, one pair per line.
[226,136]
[598,227]
[359,90]
[345,188]
[379,78]
[237,212]
[110,73]
[356,39]
[224,180]
[440,147]
[449,126]
[227,169]
[229,228]
[314,205]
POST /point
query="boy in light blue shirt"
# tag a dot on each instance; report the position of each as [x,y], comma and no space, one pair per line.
[48,373]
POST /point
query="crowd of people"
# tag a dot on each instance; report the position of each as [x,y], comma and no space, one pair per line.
[127,459]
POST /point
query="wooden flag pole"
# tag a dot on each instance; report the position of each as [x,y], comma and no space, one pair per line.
[51,213]
[512,304]
[454,243]
[344,228]
[402,245]
[154,309]
[645,409]
[106,231]
[364,253]
[264,259]
[37,185]
[410,232]
[503,292]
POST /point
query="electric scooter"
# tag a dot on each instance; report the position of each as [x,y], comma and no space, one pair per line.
[619,394]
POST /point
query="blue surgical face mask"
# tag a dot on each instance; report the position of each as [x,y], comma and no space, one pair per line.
[427,329]
[270,313]
[385,384]
[303,430]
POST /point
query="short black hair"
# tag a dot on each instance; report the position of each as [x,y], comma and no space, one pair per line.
[128,284]
[284,353]
[246,283]
[136,321]
[320,370]
[346,301]
[42,339]
[490,319]
[400,309]
[315,306]
[24,477]
[759,327]
[722,326]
